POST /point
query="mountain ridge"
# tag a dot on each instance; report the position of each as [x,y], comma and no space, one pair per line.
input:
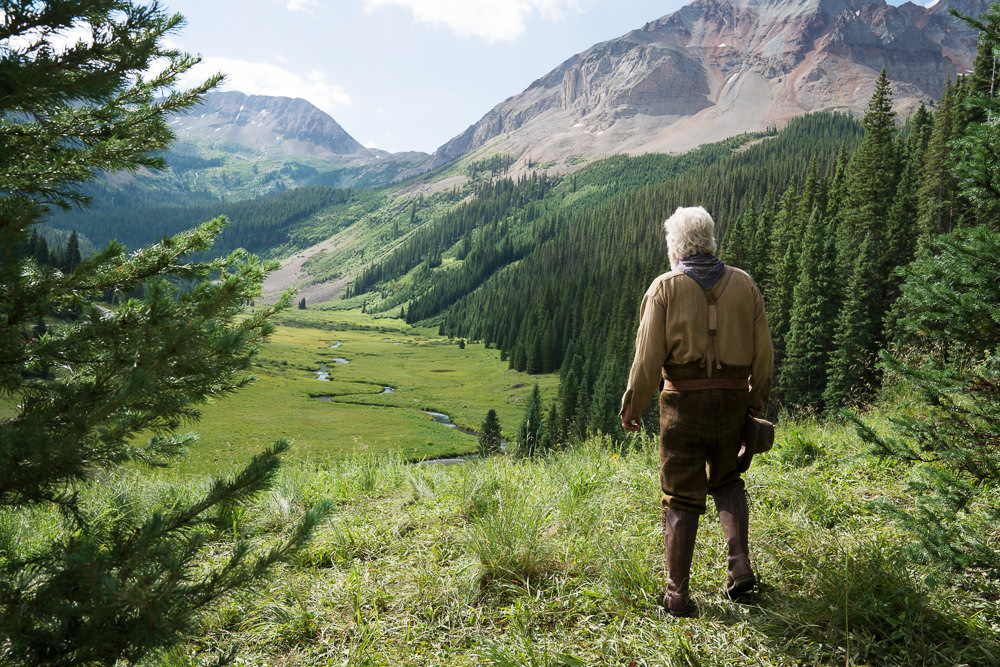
[740,66]
[710,70]
[284,125]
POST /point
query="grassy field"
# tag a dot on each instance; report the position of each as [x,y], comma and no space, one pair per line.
[351,413]
[547,562]
[539,562]
[558,561]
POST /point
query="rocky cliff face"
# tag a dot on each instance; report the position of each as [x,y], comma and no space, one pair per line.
[290,127]
[717,68]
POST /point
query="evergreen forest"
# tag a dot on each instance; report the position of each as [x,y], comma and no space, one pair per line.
[825,215]
[258,225]
[875,242]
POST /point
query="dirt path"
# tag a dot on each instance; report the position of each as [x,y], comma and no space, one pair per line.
[293,274]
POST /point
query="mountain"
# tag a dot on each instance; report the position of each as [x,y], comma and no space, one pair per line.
[293,142]
[270,125]
[234,146]
[717,68]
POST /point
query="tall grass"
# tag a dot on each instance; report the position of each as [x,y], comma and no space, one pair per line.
[558,561]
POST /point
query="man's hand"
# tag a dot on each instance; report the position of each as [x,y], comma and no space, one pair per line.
[757,410]
[628,423]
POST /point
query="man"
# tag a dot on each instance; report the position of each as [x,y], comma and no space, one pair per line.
[702,338]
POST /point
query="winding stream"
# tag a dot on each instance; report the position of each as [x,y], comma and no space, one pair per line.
[442,418]
[323,375]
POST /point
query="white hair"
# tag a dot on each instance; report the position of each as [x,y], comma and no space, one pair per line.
[690,231]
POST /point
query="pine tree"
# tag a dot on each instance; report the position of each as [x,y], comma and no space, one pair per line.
[871,176]
[901,227]
[490,435]
[810,334]
[977,151]
[834,204]
[852,378]
[72,258]
[862,210]
[939,189]
[835,196]
[947,335]
[531,426]
[785,240]
[759,253]
[605,401]
[985,78]
[550,436]
[736,245]
[117,585]
[946,339]
[576,426]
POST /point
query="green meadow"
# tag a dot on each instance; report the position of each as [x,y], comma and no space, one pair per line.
[383,378]
[558,561]
[551,561]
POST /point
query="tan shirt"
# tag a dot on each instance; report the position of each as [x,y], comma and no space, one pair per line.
[673,329]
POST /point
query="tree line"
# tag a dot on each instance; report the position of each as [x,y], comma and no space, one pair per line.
[822,214]
[256,225]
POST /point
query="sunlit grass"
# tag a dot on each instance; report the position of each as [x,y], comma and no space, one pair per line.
[350,413]
[559,561]
[552,561]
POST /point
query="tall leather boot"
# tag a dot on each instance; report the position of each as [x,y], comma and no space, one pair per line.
[679,532]
[731,501]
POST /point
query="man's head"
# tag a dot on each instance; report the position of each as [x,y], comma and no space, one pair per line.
[690,231]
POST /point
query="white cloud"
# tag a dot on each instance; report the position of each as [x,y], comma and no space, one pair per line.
[300,5]
[266,79]
[492,20]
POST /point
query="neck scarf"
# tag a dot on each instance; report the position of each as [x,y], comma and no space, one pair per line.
[704,269]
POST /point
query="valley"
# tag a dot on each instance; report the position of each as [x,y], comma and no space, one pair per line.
[350,413]
[157,507]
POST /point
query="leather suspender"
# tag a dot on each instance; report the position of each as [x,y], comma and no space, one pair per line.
[713,315]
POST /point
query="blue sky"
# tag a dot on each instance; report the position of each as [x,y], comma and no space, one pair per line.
[399,74]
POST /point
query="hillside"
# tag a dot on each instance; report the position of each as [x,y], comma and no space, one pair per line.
[712,70]
[559,561]
[718,68]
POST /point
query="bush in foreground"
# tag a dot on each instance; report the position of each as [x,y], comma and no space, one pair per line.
[110,349]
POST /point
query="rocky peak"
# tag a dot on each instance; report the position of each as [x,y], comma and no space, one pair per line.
[716,68]
[292,127]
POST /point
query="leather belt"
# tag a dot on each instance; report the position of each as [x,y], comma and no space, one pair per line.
[705,383]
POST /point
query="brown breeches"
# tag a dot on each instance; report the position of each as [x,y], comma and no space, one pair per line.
[699,442]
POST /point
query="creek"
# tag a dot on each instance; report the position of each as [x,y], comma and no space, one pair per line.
[323,375]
